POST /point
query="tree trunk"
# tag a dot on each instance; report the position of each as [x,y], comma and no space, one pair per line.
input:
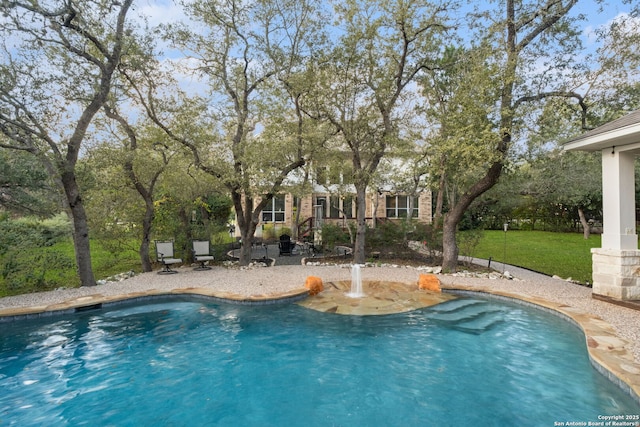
[147,222]
[187,254]
[81,242]
[440,195]
[145,193]
[586,228]
[361,229]
[247,224]
[246,245]
[449,245]
[296,219]
[454,216]
[374,208]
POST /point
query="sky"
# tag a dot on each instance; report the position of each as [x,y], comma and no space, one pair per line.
[169,11]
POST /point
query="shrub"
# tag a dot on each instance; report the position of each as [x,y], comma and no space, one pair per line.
[268,232]
[15,234]
[387,235]
[468,242]
[333,235]
[35,269]
[429,235]
[33,232]
[57,227]
[26,263]
[221,244]
[284,230]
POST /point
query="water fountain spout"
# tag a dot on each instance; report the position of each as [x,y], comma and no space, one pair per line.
[356,283]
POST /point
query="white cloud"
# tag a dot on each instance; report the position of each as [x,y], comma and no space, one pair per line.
[162,12]
[590,32]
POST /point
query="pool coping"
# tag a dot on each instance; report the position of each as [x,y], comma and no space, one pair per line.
[95,301]
[607,352]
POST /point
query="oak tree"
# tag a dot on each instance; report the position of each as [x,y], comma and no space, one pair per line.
[59,60]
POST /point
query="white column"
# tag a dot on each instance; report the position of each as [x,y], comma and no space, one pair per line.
[618,200]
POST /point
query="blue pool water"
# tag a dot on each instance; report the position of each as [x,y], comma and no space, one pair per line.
[195,362]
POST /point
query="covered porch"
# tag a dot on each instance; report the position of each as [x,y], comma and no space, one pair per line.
[616,265]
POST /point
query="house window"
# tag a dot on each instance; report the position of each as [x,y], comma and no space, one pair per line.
[321,207]
[334,211]
[398,206]
[341,207]
[335,174]
[274,211]
[347,206]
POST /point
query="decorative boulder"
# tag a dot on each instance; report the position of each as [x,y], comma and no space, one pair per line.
[429,282]
[314,284]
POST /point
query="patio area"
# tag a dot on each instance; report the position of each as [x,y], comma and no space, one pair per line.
[260,252]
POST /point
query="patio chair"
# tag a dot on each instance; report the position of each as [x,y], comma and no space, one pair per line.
[165,256]
[201,254]
[286,245]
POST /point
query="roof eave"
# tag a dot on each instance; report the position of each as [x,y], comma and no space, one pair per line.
[614,138]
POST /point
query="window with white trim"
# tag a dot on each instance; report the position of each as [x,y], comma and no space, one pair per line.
[398,206]
[341,207]
[274,211]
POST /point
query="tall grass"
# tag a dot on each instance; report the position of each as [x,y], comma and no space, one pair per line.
[567,255]
[43,268]
[105,261]
[32,268]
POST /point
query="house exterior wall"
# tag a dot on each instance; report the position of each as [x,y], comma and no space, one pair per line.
[375,207]
[333,177]
[306,207]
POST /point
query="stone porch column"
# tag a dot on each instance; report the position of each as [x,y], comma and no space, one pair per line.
[618,200]
[616,266]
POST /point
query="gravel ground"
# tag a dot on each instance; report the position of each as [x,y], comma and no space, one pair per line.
[256,281]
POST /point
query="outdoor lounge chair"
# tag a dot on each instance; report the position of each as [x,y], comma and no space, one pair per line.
[201,254]
[165,256]
[286,245]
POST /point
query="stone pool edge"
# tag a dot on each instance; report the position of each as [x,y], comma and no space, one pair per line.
[88,302]
[606,350]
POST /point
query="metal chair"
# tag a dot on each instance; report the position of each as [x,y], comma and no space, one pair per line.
[165,256]
[202,254]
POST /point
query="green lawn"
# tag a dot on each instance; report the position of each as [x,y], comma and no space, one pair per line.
[562,254]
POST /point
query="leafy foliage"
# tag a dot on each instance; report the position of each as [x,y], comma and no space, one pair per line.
[333,235]
[24,185]
[544,194]
[29,232]
[279,82]
[27,262]
[56,71]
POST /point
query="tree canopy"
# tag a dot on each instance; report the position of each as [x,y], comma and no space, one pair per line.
[58,65]
[240,96]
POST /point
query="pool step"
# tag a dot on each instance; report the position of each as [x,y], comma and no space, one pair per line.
[467,315]
[461,313]
[455,305]
[482,323]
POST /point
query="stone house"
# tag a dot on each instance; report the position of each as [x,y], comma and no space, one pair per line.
[332,200]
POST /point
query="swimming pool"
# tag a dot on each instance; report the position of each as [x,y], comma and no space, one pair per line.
[194,362]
